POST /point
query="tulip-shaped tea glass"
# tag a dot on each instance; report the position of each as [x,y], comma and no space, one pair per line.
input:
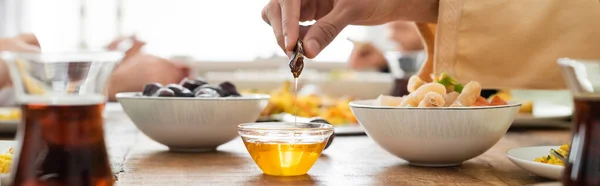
[583,79]
[285,149]
[61,136]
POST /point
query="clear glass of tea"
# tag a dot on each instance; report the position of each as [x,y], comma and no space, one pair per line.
[285,149]
[61,136]
[583,79]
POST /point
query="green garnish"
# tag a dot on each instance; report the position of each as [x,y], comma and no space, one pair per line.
[548,157]
[449,82]
[458,88]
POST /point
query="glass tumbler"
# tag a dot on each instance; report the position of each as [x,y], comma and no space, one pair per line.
[61,136]
[583,79]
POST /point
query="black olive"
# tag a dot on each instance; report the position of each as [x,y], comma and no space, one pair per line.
[215,88]
[165,92]
[180,91]
[206,92]
[150,89]
[319,120]
[229,89]
[192,84]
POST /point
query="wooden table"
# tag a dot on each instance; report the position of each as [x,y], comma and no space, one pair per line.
[351,160]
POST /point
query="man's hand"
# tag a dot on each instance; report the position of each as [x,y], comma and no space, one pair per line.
[334,15]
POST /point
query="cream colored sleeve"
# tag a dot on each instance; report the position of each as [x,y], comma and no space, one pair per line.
[511,43]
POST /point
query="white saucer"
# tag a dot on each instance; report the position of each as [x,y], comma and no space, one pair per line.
[523,157]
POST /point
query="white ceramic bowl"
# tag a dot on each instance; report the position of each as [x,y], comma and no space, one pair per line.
[191,124]
[524,157]
[434,137]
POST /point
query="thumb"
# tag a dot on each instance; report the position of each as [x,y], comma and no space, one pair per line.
[320,34]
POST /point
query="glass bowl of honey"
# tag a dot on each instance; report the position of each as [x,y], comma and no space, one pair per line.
[285,149]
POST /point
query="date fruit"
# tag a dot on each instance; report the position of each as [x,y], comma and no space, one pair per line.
[150,89]
[180,91]
[192,84]
[206,92]
[217,89]
[229,89]
[165,92]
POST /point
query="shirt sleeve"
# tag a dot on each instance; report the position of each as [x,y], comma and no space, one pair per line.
[512,44]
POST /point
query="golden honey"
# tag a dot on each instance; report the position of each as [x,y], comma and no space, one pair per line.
[285,159]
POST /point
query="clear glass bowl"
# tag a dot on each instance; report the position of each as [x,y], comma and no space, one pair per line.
[285,149]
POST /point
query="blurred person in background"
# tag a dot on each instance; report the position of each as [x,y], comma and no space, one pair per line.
[365,55]
[136,70]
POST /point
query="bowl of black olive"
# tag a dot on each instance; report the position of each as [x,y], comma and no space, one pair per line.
[192,116]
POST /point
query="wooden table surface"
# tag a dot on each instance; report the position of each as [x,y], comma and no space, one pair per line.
[351,160]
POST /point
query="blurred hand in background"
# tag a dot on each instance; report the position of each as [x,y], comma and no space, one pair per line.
[20,43]
[138,69]
[365,56]
[406,35]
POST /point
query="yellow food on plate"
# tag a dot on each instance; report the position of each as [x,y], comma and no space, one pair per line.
[526,107]
[10,114]
[551,159]
[6,161]
[334,110]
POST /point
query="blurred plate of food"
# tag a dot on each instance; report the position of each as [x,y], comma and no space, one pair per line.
[337,83]
[359,85]
[9,119]
[6,160]
[538,113]
[310,103]
[265,80]
[538,160]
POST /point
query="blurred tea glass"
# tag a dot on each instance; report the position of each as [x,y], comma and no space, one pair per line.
[583,79]
[61,136]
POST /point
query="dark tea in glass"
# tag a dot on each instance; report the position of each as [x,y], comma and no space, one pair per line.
[61,136]
[583,167]
[583,79]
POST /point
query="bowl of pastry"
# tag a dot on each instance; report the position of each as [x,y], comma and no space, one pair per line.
[440,123]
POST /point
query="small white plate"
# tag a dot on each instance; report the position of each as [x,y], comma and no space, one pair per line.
[4,146]
[523,157]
